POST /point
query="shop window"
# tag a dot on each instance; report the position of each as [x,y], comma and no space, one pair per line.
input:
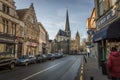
[10,48]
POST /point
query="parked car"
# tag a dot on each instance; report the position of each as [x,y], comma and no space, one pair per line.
[41,58]
[26,59]
[50,56]
[7,59]
[58,55]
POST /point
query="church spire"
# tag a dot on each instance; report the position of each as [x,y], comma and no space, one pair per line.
[67,26]
[77,34]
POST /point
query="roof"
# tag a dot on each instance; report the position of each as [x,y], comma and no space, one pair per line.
[61,33]
[21,13]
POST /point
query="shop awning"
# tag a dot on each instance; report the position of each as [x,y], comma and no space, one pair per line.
[111,31]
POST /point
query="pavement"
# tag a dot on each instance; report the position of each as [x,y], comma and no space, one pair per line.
[91,70]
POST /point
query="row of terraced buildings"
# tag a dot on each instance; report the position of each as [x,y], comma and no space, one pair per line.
[20,32]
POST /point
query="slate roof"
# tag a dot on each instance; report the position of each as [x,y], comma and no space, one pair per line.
[61,33]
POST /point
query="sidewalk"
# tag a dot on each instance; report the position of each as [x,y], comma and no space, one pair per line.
[91,69]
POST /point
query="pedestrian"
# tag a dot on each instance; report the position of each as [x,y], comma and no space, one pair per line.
[113,64]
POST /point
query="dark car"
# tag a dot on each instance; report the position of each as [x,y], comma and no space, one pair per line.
[41,58]
[7,59]
[26,59]
[50,56]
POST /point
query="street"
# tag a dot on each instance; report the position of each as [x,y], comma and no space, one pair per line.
[65,68]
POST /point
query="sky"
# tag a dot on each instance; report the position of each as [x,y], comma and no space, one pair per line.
[52,14]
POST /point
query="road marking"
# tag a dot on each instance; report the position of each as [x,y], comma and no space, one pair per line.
[81,76]
[40,72]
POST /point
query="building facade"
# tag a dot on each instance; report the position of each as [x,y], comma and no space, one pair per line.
[63,38]
[31,30]
[43,40]
[11,28]
[107,34]
[91,28]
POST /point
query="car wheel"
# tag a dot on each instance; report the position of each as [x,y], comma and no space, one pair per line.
[12,65]
[26,63]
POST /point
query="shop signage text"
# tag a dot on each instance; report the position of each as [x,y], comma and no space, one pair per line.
[107,17]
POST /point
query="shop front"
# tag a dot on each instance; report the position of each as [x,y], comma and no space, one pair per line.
[32,48]
[106,38]
[7,44]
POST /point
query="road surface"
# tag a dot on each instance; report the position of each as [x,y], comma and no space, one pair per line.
[65,68]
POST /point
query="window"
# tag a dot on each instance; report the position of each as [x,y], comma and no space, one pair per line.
[10,48]
[100,7]
[2,47]
[13,29]
[5,9]
[5,25]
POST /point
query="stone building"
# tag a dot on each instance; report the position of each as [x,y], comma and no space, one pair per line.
[91,28]
[107,33]
[75,44]
[50,46]
[31,30]
[63,37]
[43,39]
[11,28]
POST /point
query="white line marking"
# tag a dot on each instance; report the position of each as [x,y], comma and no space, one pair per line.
[40,72]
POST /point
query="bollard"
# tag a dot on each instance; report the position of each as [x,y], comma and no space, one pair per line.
[91,78]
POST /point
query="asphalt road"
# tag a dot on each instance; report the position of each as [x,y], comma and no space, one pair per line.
[60,69]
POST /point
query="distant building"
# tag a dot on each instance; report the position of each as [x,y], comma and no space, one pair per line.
[63,37]
[75,44]
[43,39]
[50,46]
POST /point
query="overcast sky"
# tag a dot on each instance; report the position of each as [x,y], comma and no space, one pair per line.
[52,14]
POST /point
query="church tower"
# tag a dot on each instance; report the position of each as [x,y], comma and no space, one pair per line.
[77,38]
[67,26]
[77,41]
